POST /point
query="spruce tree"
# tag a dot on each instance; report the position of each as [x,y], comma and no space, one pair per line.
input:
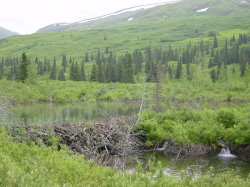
[64,63]
[83,72]
[120,77]
[189,75]
[78,75]
[53,71]
[213,76]
[94,76]
[23,72]
[170,73]
[61,76]
[86,58]
[128,69]
[178,70]
[215,42]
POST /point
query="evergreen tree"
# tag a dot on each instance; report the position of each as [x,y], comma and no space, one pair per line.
[106,50]
[113,77]
[149,61]
[100,73]
[83,72]
[170,72]
[40,68]
[94,76]
[128,69]
[120,77]
[53,71]
[189,75]
[10,75]
[92,57]
[72,72]
[213,75]
[215,42]
[86,58]
[78,73]
[64,63]
[75,73]
[1,69]
[178,70]
[23,72]
[61,76]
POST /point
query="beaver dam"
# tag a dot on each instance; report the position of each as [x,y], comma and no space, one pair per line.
[108,143]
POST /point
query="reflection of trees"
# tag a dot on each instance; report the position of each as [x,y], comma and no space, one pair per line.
[24,118]
[4,104]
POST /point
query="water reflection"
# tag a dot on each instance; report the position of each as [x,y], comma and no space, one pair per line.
[196,166]
[41,113]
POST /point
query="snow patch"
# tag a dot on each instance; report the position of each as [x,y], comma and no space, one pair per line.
[244,2]
[130,19]
[132,9]
[203,10]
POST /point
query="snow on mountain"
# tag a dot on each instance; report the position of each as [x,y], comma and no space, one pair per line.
[203,10]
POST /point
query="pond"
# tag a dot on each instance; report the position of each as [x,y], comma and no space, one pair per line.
[82,112]
[200,165]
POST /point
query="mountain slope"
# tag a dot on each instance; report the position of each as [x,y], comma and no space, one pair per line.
[175,8]
[178,23]
[4,33]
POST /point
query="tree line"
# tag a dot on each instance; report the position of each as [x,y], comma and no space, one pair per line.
[175,63]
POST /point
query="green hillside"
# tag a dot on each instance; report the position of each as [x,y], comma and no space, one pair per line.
[175,23]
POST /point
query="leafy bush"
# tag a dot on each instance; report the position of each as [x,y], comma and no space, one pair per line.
[195,126]
[38,165]
[226,118]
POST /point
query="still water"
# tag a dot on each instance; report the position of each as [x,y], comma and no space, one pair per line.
[50,112]
[82,112]
[200,165]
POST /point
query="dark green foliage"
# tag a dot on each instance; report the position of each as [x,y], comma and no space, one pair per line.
[178,70]
[40,68]
[212,34]
[137,60]
[64,63]
[189,73]
[213,75]
[128,69]
[86,58]
[83,72]
[100,73]
[170,72]
[53,73]
[215,45]
[94,75]
[149,61]
[105,37]
[110,68]
[75,72]
[243,39]
[106,50]
[23,70]
[226,118]
[61,76]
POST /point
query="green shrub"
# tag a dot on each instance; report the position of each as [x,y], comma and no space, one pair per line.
[226,118]
[23,165]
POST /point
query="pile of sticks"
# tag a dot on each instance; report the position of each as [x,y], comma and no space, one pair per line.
[101,141]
